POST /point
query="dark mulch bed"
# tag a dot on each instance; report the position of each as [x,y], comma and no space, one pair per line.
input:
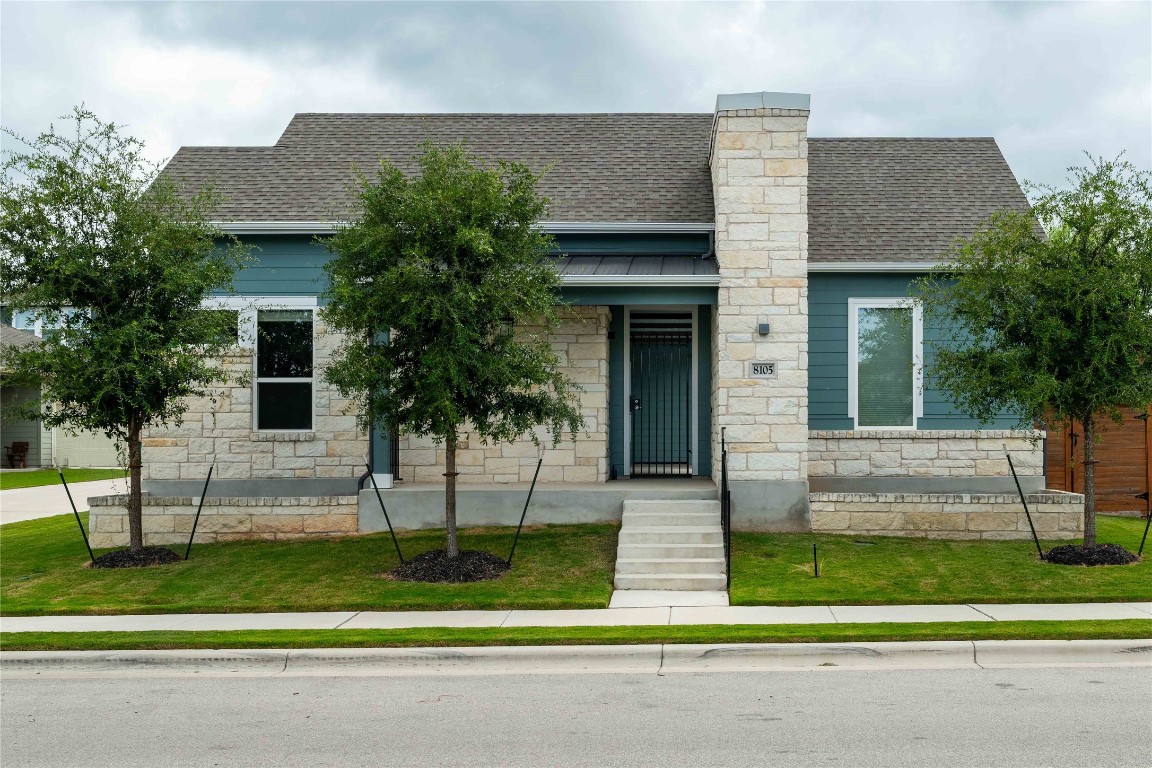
[126,558]
[435,567]
[1097,554]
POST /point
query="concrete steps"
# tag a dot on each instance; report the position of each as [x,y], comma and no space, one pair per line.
[671,545]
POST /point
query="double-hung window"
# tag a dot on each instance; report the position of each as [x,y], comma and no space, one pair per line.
[280,331]
[885,363]
[284,369]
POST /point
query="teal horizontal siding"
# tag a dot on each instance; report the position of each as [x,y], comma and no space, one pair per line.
[828,296]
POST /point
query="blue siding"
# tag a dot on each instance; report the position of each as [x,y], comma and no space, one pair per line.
[828,296]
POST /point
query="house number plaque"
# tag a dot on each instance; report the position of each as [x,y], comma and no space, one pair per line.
[760,369]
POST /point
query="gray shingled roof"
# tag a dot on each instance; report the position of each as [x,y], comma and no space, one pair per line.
[902,199]
[869,199]
[14,337]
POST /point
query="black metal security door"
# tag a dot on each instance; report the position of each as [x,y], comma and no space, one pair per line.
[661,400]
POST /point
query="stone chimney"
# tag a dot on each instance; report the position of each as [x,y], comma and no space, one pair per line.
[759,162]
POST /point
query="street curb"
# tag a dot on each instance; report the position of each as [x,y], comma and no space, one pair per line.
[577,659]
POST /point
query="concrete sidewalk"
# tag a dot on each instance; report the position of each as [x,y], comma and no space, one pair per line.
[652,616]
[20,504]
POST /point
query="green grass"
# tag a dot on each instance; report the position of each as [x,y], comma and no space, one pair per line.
[38,477]
[1134,629]
[42,572]
[777,569]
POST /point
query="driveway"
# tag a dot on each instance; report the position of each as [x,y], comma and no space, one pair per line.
[47,500]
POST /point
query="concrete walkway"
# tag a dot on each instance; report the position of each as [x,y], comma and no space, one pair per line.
[47,500]
[654,616]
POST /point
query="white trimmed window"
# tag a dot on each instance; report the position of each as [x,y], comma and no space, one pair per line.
[885,363]
[281,334]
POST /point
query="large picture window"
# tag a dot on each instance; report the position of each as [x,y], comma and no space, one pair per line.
[885,341]
[284,369]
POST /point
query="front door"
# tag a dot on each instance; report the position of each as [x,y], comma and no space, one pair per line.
[661,401]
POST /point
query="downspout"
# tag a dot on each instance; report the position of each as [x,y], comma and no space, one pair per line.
[711,252]
[371,463]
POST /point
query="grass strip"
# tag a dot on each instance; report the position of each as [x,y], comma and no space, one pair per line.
[480,636]
[38,477]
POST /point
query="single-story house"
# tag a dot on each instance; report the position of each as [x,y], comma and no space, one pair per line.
[725,275]
[44,445]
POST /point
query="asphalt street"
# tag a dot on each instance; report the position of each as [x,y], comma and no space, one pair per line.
[1078,717]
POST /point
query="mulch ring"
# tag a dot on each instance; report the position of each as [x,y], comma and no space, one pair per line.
[126,558]
[436,568]
[1097,554]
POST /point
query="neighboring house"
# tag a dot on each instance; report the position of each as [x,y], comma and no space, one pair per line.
[80,449]
[726,274]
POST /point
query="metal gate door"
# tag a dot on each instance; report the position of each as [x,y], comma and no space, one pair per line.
[661,400]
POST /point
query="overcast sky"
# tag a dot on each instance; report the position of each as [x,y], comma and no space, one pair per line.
[1048,80]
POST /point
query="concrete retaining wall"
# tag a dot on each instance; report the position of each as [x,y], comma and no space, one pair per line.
[1056,515]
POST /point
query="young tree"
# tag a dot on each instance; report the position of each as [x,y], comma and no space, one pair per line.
[117,260]
[444,266]
[1054,325]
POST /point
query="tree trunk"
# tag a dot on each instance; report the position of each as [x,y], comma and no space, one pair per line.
[450,494]
[135,512]
[1089,481]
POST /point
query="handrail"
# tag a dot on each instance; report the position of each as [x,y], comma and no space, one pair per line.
[725,510]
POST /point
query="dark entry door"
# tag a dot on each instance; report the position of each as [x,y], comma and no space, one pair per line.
[661,401]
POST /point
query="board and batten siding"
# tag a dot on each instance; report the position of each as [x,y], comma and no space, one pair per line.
[828,296]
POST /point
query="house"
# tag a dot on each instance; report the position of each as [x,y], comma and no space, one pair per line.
[45,445]
[728,278]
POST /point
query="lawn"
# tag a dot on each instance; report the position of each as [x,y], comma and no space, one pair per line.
[776,569]
[37,477]
[1133,629]
[42,572]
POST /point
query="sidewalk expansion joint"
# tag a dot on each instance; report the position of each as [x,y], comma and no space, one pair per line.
[354,615]
[981,612]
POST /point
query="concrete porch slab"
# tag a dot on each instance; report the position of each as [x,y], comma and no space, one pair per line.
[597,617]
[874,614]
[754,614]
[665,598]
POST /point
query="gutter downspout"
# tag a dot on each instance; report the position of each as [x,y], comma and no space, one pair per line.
[711,252]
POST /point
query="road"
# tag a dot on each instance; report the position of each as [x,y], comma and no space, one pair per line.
[1078,717]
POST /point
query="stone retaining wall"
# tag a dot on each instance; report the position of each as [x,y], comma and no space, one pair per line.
[168,519]
[1056,515]
[581,341]
[924,453]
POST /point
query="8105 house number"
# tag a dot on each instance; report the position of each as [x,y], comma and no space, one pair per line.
[762,370]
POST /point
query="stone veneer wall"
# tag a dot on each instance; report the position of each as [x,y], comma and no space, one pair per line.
[927,453]
[759,164]
[1056,515]
[168,520]
[225,430]
[581,341]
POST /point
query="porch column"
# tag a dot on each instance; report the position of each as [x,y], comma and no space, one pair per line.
[760,183]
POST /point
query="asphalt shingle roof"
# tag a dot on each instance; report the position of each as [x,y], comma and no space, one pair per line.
[869,199]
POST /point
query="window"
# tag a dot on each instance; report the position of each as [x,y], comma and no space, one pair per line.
[885,342]
[284,369]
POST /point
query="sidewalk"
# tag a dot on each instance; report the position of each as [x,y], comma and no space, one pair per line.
[20,504]
[654,616]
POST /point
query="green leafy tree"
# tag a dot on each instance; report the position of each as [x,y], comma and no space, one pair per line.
[445,266]
[116,259]
[1054,325]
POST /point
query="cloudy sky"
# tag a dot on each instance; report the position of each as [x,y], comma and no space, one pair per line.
[1048,80]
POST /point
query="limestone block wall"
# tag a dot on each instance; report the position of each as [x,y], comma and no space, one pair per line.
[927,453]
[225,429]
[1056,515]
[581,341]
[168,520]
[760,182]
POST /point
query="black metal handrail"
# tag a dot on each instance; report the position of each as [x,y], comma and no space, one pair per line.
[725,511]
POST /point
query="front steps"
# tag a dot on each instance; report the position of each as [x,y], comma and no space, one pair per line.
[671,545]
